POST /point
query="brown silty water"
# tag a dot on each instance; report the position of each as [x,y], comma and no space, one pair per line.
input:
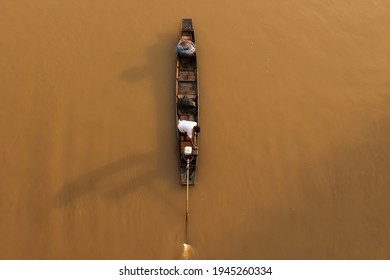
[294,151]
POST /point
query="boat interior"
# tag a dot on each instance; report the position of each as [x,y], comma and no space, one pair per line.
[187,99]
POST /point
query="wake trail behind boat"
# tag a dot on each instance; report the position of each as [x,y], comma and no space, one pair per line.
[188,251]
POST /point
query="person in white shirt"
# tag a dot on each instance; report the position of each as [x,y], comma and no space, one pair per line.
[190,128]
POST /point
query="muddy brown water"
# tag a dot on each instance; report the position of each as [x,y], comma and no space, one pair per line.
[295,143]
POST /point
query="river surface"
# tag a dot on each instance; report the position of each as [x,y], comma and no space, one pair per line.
[295,143]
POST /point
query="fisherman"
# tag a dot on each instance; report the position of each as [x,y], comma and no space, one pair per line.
[186,48]
[190,129]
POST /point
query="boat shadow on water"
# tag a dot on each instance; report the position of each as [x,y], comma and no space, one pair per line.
[115,180]
[119,178]
[159,67]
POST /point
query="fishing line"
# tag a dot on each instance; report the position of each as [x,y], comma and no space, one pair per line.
[188,175]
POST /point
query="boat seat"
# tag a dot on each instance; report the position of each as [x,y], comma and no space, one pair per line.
[187,76]
[187,89]
[185,85]
[189,94]
[186,117]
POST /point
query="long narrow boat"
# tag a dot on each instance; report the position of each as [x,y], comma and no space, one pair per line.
[187,104]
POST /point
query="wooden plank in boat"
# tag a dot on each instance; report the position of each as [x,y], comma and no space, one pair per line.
[186,64]
[188,93]
[187,89]
[187,117]
[187,86]
[187,76]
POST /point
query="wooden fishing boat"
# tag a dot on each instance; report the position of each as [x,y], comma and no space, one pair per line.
[187,104]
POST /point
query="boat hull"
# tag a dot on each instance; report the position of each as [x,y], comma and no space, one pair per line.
[187,88]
